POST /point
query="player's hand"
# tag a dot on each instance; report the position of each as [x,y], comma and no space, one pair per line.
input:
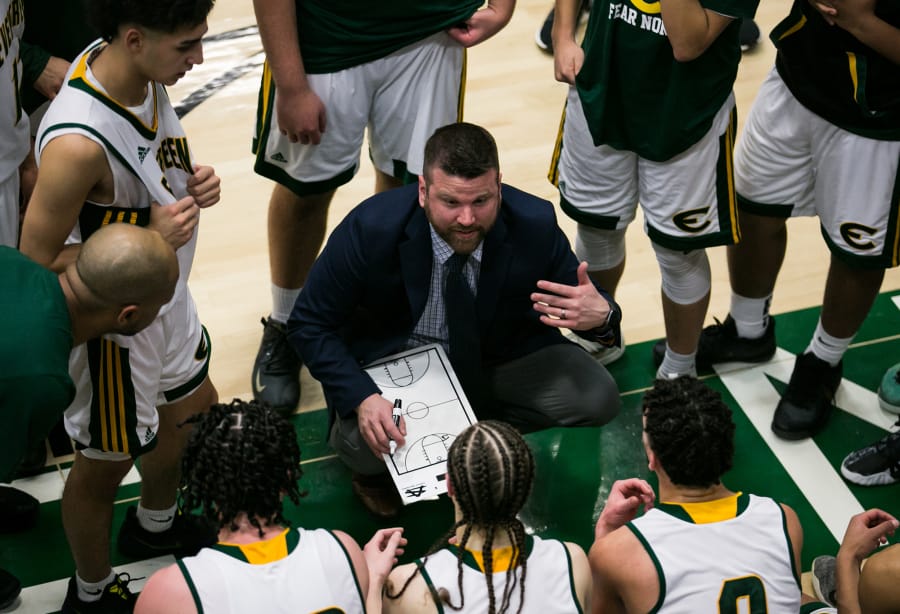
[376,424]
[865,532]
[579,307]
[205,186]
[625,500]
[482,25]
[175,222]
[568,57]
[51,78]
[846,14]
[301,115]
[381,553]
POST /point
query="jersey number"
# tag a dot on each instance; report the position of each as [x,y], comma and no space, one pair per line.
[746,595]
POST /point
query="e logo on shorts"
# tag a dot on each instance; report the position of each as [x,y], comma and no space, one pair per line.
[852,233]
[689,221]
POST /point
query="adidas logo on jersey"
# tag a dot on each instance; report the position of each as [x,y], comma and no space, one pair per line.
[142,153]
[277,157]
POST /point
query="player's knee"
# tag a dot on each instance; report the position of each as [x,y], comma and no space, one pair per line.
[685,275]
[593,402]
[602,249]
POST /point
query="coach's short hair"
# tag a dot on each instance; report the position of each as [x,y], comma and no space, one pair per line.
[461,150]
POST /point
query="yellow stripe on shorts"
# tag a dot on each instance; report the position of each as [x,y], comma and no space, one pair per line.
[114,437]
[553,173]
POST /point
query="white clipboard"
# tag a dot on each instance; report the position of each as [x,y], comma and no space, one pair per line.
[435,410]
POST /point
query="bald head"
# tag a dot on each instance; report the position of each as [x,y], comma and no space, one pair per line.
[125,264]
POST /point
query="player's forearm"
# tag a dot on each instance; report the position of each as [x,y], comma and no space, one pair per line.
[847,595]
[277,20]
[503,9]
[691,29]
[565,20]
[48,253]
[879,35]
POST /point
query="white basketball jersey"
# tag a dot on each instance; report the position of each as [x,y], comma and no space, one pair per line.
[16,138]
[297,572]
[729,555]
[549,585]
[145,146]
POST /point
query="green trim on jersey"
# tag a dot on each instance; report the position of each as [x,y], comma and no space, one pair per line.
[438,603]
[790,545]
[291,538]
[80,84]
[677,511]
[359,593]
[468,559]
[636,96]
[837,77]
[190,582]
[339,34]
[659,570]
[107,145]
[572,588]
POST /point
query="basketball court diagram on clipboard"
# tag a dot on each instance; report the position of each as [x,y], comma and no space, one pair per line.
[435,410]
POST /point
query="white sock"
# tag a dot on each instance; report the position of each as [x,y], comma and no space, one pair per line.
[674,365]
[156,521]
[92,591]
[828,348]
[750,315]
[283,300]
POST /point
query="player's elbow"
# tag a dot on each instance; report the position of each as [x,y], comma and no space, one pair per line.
[688,51]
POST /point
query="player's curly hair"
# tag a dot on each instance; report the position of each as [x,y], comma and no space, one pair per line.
[242,457]
[690,430]
[491,470]
[106,16]
[461,150]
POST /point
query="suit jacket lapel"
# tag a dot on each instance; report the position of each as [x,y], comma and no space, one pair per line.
[416,263]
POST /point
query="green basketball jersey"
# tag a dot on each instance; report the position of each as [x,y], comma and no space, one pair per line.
[837,77]
[635,96]
[339,34]
[35,341]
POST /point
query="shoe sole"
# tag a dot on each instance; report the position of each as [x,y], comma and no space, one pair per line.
[540,43]
[817,587]
[610,356]
[879,479]
[705,364]
[806,433]
[887,406]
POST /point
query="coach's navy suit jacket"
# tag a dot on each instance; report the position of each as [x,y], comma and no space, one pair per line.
[369,286]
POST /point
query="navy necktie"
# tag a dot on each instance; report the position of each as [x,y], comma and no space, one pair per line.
[462,328]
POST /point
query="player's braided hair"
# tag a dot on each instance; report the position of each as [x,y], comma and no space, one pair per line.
[690,430]
[242,457]
[107,16]
[491,470]
[461,150]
